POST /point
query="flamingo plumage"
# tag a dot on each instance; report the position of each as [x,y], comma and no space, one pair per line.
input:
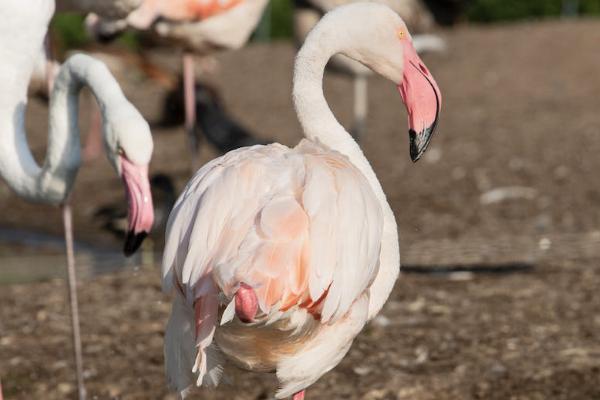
[278,257]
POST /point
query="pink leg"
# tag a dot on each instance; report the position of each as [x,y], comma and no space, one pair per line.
[189,101]
[1,391]
[71,276]
[72,281]
[299,395]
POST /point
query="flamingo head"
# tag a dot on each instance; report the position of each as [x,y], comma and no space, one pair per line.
[129,145]
[421,96]
[383,42]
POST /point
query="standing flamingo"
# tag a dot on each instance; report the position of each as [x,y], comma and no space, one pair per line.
[278,257]
[308,12]
[201,26]
[127,136]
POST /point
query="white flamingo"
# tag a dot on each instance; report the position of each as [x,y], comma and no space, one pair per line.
[414,13]
[278,257]
[127,136]
[201,26]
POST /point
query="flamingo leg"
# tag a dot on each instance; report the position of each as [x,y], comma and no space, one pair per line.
[72,282]
[189,101]
[1,391]
[71,276]
[299,395]
[360,107]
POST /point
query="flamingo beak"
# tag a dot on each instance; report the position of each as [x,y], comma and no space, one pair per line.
[140,212]
[422,98]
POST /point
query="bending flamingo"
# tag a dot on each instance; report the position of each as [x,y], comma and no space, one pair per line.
[201,26]
[127,136]
[278,257]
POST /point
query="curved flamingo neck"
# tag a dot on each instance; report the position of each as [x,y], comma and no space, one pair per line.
[20,42]
[319,124]
[21,36]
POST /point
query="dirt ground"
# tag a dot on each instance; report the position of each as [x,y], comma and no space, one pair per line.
[520,109]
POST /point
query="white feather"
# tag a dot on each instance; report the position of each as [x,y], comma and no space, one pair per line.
[228,313]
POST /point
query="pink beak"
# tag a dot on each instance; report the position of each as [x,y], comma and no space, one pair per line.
[140,212]
[422,98]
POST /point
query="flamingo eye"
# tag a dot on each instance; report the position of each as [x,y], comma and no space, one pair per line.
[401,34]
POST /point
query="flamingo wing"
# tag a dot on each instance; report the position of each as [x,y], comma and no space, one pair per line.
[227,27]
[300,226]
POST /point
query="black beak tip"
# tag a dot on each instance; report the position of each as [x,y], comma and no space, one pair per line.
[107,38]
[133,241]
[419,142]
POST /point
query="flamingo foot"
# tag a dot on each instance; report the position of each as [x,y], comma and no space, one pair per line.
[299,395]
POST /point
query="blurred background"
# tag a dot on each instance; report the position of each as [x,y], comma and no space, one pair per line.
[499,222]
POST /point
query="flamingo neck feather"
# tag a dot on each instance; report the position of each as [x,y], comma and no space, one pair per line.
[22,37]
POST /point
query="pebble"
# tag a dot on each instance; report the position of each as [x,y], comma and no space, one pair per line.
[382,321]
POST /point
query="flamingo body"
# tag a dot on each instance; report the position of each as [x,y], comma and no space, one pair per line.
[297,202]
[278,257]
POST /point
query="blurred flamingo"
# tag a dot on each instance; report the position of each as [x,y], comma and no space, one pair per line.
[105,8]
[308,12]
[278,257]
[126,134]
[201,26]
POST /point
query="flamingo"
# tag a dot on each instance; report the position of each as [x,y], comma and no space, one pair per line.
[201,26]
[127,137]
[277,257]
[308,12]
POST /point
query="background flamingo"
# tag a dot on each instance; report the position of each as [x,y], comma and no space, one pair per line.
[278,257]
[308,12]
[200,26]
[105,8]
[126,134]
[215,123]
